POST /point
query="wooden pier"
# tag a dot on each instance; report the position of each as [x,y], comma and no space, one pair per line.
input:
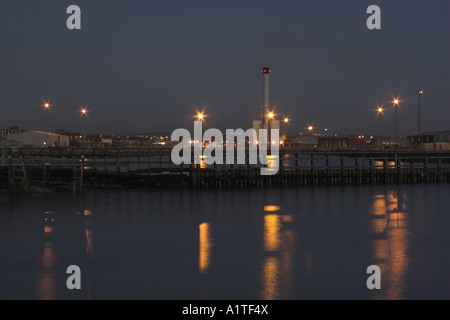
[45,170]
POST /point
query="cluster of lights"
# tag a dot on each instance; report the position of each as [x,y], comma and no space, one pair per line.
[200,117]
[363,137]
[271,115]
[395,102]
[83,110]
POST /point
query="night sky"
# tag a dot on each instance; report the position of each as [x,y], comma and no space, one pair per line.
[146,66]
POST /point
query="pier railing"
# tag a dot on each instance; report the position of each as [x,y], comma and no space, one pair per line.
[296,167]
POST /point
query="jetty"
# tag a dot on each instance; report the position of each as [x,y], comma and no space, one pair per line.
[78,169]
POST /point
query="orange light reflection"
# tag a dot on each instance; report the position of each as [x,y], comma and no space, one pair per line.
[204,247]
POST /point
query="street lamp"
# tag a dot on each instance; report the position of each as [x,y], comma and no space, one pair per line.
[46,109]
[200,116]
[286,121]
[419,127]
[380,113]
[84,112]
[396,102]
[46,106]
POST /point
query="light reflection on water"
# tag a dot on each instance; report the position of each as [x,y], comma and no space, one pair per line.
[277,265]
[242,244]
[391,247]
[46,282]
[204,247]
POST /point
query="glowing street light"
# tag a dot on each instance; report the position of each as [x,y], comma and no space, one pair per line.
[200,116]
[380,113]
[396,104]
[310,128]
[84,112]
[286,122]
[419,121]
[271,115]
[46,106]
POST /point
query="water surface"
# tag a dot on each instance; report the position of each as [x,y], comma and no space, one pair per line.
[305,243]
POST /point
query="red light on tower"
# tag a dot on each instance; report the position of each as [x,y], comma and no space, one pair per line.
[266,70]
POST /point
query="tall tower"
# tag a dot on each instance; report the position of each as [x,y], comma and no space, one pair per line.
[267,120]
[266,109]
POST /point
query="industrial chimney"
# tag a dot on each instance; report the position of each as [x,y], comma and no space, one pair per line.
[267,120]
[266,106]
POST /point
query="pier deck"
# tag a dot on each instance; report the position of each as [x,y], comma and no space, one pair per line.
[74,169]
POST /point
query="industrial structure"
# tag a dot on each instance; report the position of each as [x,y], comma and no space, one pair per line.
[431,141]
[39,139]
[4,132]
[267,120]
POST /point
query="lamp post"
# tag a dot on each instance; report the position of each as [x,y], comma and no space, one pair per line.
[46,109]
[201,117]
[198,141]
[84,112]
[419,125]
[270,117]
[380,113]
[396,102]
[286,121]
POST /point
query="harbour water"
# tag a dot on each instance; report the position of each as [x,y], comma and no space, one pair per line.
[303,243]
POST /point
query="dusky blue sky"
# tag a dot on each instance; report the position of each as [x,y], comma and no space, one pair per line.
[146,66]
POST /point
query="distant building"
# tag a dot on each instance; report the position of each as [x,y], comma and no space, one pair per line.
[4,132]
[431,141]
[307,140]
[333,142]
[359,142]
[40,139]
[107,141]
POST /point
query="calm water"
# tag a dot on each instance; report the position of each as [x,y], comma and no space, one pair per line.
[243,244]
